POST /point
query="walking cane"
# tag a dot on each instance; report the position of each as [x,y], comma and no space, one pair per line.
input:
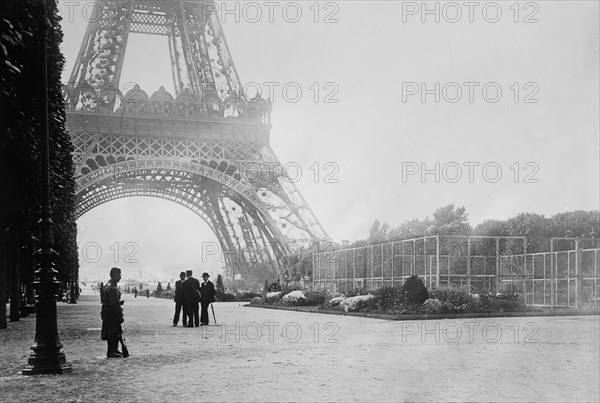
[213,311]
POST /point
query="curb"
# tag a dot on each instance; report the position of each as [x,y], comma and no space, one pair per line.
[562,312]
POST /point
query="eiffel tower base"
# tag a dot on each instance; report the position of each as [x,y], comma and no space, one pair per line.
[206,146]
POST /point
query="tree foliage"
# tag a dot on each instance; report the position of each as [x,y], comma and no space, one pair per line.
[219,287]
[298,265]
[450,220]
[21,97]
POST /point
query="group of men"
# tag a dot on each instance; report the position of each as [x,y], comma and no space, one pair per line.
[188,293]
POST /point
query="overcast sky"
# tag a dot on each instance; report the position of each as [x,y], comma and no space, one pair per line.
[540,130]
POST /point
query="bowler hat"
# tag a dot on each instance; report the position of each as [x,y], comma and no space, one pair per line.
[182,273]
[205,274]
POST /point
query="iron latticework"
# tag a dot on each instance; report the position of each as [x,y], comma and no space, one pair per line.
[205,147]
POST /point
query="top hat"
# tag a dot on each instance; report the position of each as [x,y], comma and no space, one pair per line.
[205,274]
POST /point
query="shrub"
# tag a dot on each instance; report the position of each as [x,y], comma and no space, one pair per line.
[314,298]
[273,297]
[454,298]
[164,294]
[333,303]
[415,290]
[355,304]
[294,298]
[355,292]
[226,297]
[274,287]
[432,305]
[507,302]
[245,295]
[389,298]
[257,301]
[289,288]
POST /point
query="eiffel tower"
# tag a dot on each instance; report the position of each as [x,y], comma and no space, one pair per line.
[206,147]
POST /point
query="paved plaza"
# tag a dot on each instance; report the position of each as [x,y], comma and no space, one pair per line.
[273,355]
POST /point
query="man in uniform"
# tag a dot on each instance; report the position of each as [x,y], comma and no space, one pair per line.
[191,289]
[207,297]
[179,300]
[112,314]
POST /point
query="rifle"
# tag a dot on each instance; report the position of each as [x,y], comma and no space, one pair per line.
[123,346]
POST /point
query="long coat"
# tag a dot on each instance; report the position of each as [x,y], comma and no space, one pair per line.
[179,290]
[191,288]
[207,292]
[112,313]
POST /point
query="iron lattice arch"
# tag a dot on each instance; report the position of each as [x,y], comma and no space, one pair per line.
[206,147]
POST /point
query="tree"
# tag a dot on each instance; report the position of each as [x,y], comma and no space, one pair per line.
[219,286]
[448,220]
[298,265]
[378,233]
[411,229]
[491,228]
[159,289]
[573,224]
[21,99]
[416,292]
[529,225]
[374,231]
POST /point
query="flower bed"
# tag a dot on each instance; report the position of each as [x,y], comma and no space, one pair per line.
[355,304]
[442,299]
[294,298]
[398,301]
[273,297]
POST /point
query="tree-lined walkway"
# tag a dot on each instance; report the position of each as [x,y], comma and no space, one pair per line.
[259,354]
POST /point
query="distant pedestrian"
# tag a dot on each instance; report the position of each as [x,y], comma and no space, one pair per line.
[191,292]
[112,314]
[101,293]
[147,293]
[179,300]
[207,297]
[134,292]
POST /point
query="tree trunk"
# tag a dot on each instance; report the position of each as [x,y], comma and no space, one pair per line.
[15,286]
[3,324]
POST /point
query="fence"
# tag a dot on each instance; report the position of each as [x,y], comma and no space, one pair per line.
[546,271]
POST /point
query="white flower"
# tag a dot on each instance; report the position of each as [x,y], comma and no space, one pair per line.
[293,296]
[432,305]
[273,294]
[336,301]
[351,303]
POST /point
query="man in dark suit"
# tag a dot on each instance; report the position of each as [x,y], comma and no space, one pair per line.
[207,297]
[191,290]
[179,300]
[112,314]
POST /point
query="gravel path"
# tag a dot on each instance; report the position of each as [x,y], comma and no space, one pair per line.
[270,355]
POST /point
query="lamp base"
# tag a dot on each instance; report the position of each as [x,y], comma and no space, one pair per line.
[48,362]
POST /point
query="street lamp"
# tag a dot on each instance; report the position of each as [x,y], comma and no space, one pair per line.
[47,357]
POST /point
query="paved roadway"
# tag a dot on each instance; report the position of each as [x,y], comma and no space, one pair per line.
[271,355]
